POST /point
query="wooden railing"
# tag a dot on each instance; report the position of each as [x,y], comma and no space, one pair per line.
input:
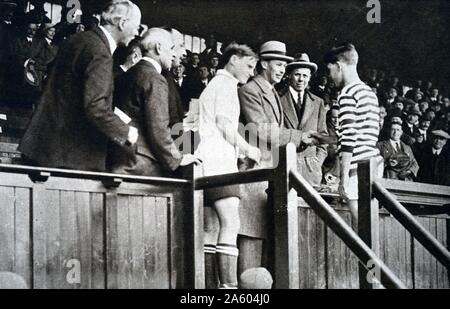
[423,199]
[77,229]
[285,184]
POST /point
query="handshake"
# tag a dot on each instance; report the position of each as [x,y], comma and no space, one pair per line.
[313,138]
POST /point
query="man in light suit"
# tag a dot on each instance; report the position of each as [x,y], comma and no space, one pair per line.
[399,160]
[263,116]
[305,111]
[74,121]
[144,97]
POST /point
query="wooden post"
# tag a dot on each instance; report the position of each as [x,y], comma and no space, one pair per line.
[284,201]
[368,219]
[194,255]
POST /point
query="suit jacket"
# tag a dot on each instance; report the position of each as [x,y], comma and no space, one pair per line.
[74,120]
[144,97]
[176,108]
[435,169]
[262,109]
[313,119]
[44,57]
[386,151]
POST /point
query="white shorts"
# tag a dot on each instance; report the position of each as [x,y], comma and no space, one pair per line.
[352,189]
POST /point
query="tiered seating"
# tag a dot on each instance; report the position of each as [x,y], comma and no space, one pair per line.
[13,122]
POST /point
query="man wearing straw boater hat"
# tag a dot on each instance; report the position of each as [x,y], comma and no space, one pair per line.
[305,112]
[263,117]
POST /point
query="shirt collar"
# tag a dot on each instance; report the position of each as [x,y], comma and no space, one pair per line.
[295,94]
[394,143]
[437,151]
[154,63]
[48,41]
[112,43]
[227,74]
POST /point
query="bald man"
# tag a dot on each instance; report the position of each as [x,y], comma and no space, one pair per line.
[74,120]
[143,96]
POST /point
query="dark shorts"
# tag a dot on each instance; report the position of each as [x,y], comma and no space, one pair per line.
[215,194]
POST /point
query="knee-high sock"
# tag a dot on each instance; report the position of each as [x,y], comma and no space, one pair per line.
[211,278]
[227,256]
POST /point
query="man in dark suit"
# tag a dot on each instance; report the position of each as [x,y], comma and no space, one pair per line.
[74,121]
[305,111]
[399,160]
[435,161]
[144,98]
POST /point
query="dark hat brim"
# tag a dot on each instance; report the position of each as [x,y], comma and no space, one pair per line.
[276,57]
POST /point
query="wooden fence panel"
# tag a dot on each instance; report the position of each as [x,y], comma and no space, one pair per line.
[428,272]
[76,234]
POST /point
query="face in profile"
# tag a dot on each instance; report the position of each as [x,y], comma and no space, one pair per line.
[130,27]
[334,73]
[244,68]
[50,33]
[275,70]
[167,52]
[180,50]
[299,79]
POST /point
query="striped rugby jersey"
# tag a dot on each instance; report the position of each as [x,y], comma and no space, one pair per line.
[358,123]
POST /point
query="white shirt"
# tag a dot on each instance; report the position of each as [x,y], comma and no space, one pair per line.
[295,94]
[394,145]
[48,41]
[424,134]
[111,41]
[220,98]
[154,63]
[437,151]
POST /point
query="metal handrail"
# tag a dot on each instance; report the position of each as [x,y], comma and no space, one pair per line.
[332,219]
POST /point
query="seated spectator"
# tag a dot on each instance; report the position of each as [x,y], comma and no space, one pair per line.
[125,57]
[446,102]
[319,87]
[197,83]
[213,64]
[423,106]
[384,130]
[45,54]
[192,66]
[331,166]
[23,80]
[423,128]
[412,118]
[434,95]
[399,161]
[435,163]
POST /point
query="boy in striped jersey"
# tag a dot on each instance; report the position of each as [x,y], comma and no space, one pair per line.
[358,121]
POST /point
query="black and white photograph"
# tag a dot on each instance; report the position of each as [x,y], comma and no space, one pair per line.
[196,145]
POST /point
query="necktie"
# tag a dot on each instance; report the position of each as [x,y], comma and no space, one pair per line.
[398,147]
[300,99]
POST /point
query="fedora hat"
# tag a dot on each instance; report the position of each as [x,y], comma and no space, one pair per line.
[274,50]
[414,110]
[302,61]
[441,133]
